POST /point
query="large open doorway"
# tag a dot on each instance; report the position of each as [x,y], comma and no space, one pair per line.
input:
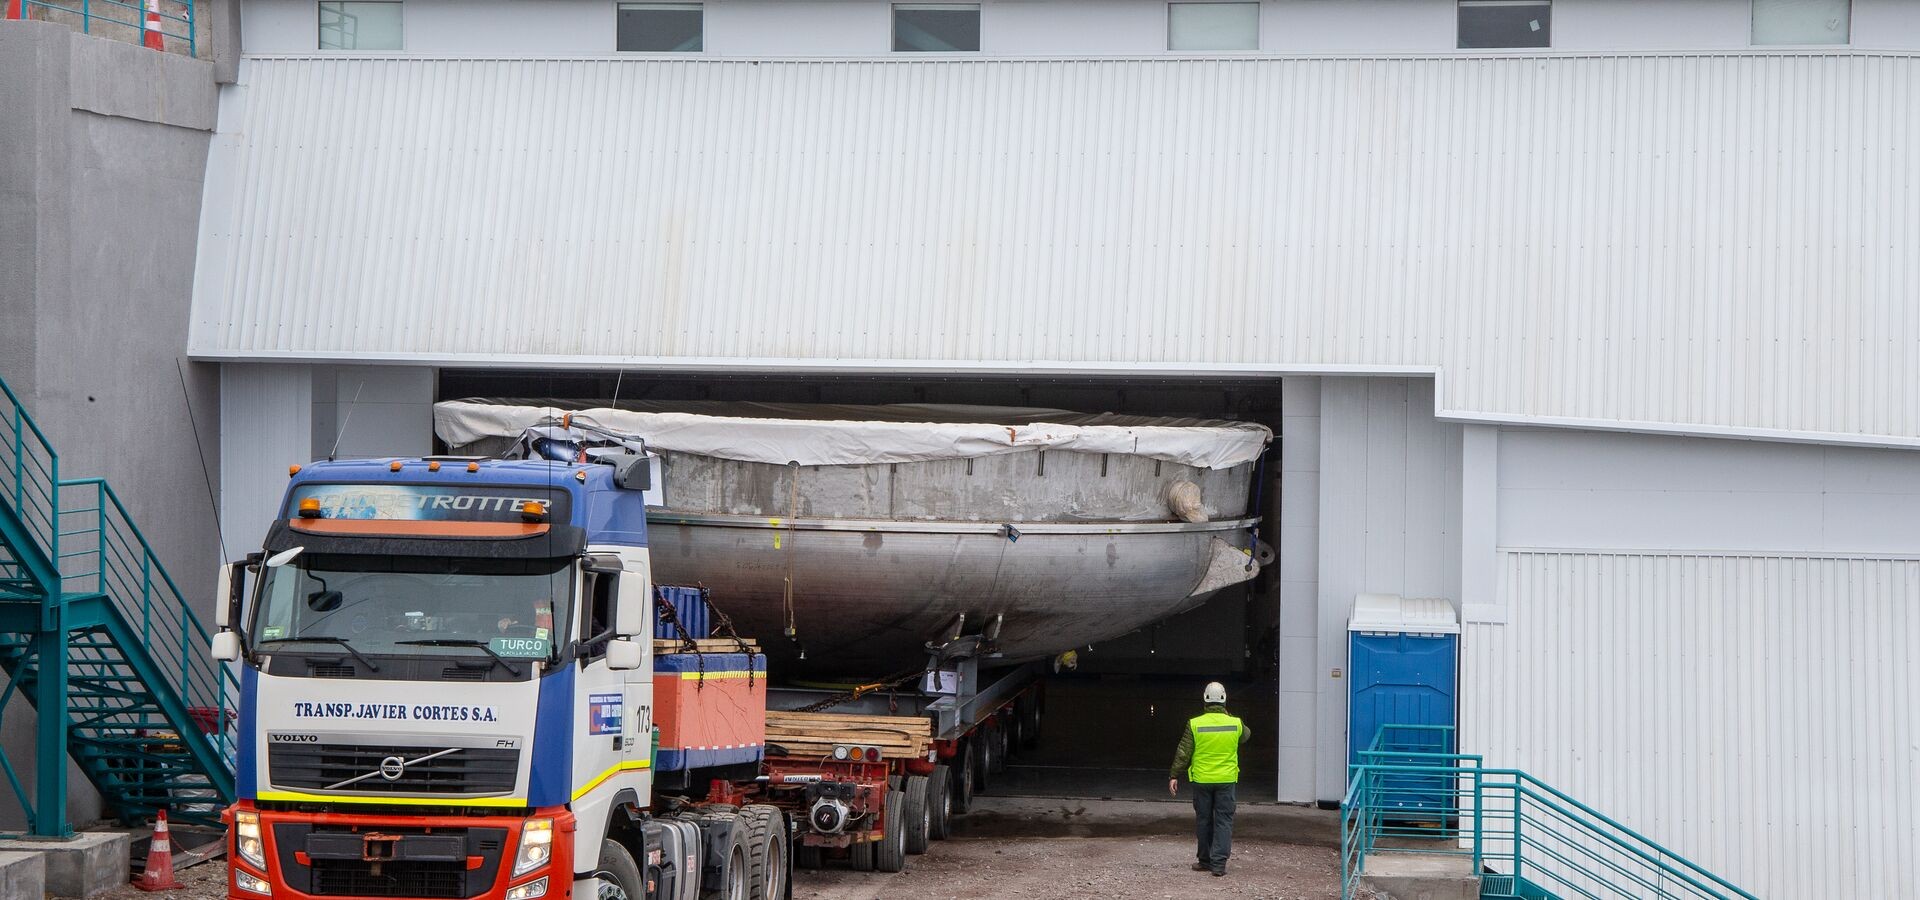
[1112,722]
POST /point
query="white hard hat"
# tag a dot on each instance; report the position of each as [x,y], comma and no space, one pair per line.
[1216,693]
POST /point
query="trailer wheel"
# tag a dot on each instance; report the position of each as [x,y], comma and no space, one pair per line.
[982,746]
[806,857]
[997,744]
[914,811]
[766,852]
[1030,716]
[618,874]
[860,856]
[939,803]
[963,780]
[890,854]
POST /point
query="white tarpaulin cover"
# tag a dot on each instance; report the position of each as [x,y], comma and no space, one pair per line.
[846,435]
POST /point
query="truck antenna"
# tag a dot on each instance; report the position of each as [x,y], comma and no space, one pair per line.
[345,419]
[621,376]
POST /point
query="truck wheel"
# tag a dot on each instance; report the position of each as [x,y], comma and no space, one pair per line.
[734,869]
[997,742]
[766,852]
[913,808]
[890,855]
[619,875]
[806,857]
[939,802]
[982,745]
[861,856]
[1030,731]
[963,780]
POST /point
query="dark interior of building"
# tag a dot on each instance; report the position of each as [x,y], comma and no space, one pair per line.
[1112,723]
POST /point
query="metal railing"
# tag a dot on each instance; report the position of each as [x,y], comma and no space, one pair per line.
[1523,837]
[161,24]
[83,543]
[106,553]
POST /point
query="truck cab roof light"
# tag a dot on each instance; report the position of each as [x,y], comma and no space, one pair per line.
[433,465]
[310,508]
[393,466]
[293,470]
[532,511]
[473,467]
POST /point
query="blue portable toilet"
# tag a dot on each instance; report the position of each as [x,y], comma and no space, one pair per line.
[1403,668]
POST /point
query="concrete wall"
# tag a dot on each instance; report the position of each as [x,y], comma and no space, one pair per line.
[103,147]
[1052,27]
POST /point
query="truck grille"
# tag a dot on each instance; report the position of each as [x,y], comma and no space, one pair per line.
[354,878]
[467,770]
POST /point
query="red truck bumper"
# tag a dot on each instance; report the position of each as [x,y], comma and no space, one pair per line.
[351,856]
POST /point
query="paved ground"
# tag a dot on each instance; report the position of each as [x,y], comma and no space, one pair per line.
[1036,847]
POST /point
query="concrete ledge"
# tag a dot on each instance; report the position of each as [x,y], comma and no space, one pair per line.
[22,874]
[91,863]
[1420,876]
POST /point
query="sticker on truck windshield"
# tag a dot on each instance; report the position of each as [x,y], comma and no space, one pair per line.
[604,713]
[521,647]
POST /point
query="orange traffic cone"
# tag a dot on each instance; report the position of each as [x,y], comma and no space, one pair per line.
[16,9]
[158,875]
[150,35]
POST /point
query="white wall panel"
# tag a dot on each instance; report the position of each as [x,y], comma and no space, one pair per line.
[266,425]
[1695,241]
[1388,522]
[1758,715]
[1586,490]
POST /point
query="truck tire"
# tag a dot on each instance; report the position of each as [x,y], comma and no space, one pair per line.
[939,803]
[734,866]
[619,875]
[860,856]
[997,744]
[1030,732]
[805,857]
[890,854]
[981,744]
[963,780]
[766,852]
[914,812]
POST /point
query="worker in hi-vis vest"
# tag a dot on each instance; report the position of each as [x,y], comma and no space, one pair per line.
[1209,754]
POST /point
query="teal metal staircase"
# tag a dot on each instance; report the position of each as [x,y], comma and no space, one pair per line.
[97,637]
[1522,838]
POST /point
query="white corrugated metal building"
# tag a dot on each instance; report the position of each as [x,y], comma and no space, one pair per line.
[1620,352]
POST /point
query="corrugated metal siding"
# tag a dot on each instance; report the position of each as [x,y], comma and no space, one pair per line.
[1758,715]
[1700,240]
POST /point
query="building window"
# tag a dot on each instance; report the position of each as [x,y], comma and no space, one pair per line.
[1801,21]
[1213,26]
[360,25]
[659,28]
[1494,24]
[936,27]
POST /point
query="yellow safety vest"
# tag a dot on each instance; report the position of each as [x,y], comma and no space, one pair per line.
[1216,749]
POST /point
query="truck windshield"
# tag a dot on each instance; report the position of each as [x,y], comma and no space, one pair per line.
[416,605]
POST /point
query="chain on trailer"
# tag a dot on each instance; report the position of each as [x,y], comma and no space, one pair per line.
[889,684]
[689,645]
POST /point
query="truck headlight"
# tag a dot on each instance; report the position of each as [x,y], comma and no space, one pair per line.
[536,846]
[247,881]
[246,838]
[529,891]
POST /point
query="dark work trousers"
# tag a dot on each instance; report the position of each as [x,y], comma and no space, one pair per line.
[1213,824]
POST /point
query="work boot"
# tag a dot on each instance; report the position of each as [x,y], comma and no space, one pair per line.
[1200,867]
[1220,872]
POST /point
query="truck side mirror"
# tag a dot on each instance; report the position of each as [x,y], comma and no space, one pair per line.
[630,606]
[623,654]
[223,597]
[226,646]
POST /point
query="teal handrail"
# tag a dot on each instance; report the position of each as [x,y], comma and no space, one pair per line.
[1512,826]
[174,19]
